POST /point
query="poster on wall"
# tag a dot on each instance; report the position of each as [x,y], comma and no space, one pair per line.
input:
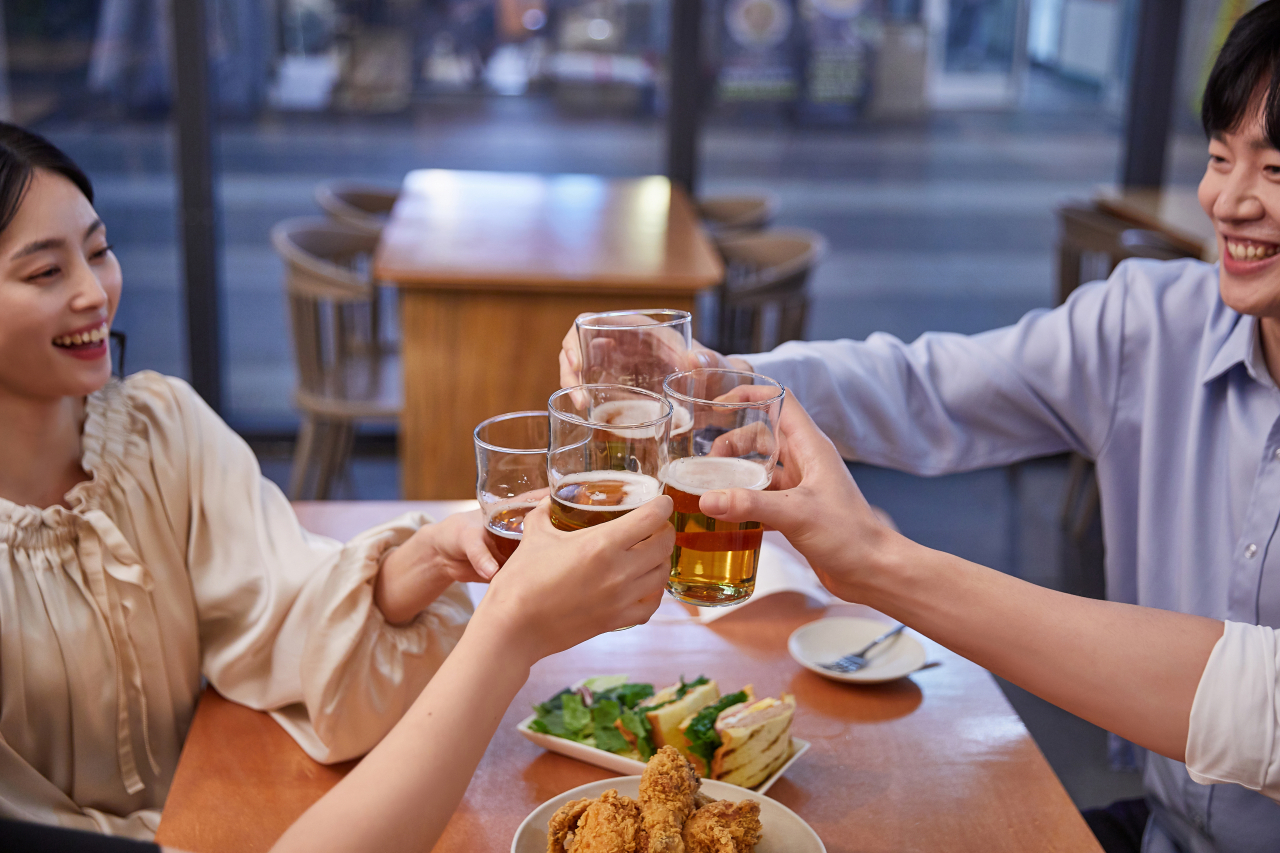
[841,37]
[759,51]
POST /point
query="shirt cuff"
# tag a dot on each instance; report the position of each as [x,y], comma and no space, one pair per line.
[1231,736]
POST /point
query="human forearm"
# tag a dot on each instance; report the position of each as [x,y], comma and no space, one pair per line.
[401,796]
[1131,670]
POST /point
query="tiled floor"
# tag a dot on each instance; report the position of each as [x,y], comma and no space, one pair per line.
[944,224]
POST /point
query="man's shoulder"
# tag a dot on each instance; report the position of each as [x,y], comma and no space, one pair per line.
[1177,297]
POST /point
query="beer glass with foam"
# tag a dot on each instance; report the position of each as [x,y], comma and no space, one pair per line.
[608,444]
[636,348]
[731,443]
[511,473]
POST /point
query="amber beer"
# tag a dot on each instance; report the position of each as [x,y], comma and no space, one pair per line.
[506,525]
[714,562]
[594,497]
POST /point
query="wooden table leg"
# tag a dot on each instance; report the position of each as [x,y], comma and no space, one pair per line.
[470,355]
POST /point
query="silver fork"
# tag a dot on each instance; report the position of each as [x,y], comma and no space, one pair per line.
[855,661]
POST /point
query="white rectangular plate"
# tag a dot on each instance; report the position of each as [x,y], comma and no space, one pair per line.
[630,766]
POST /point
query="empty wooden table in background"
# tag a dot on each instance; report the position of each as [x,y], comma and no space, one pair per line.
[493,268]
[938,761]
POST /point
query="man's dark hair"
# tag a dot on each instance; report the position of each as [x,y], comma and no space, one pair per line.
[21,153]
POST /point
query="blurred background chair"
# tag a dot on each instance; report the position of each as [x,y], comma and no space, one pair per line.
[345,372]
[727,215]
[765,298]
[364,207]
[1091,244]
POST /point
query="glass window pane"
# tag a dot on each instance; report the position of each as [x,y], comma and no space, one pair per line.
[92,76]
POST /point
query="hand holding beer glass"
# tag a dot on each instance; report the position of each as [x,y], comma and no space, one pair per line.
[731,443]
[511,473]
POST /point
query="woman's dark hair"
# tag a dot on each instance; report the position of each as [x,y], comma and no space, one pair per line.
[21,153]
[1250,55]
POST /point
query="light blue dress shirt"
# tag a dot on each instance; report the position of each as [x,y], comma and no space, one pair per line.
[1152,376]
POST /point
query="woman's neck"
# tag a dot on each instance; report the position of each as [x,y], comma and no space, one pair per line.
[39,449]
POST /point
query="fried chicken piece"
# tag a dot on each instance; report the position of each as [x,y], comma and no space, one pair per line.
[609,824]
[723,827]
[564,822]
[667,791]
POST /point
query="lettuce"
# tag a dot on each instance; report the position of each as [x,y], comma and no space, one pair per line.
[608,737]
[701,731]
[577,718]
[638,724]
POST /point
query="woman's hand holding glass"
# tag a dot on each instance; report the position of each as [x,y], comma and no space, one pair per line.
[456,549]
[561,588]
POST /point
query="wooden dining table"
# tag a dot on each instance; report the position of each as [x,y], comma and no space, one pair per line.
[493,268]
[937,761]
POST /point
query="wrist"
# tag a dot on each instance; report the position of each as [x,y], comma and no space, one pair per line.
[411,576]
[881,578]
[500,628]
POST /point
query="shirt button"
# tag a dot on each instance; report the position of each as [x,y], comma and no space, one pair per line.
[1250,550]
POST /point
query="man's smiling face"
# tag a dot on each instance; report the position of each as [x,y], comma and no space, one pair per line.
[1240,192]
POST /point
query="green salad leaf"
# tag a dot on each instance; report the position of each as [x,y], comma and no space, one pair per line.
[577,718]
[608,737]
[701,731]
[566,715]
[638,724]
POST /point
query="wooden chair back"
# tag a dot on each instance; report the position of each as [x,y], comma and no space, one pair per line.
[765,299]
[1091,244]
[332,315]
[728,215]
[364,207]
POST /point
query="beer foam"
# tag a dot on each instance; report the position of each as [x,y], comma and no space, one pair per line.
[697,475]
[638,412]
[637,489]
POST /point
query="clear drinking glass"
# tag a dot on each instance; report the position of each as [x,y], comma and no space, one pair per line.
[511,473]
[636,348]
[731,443]
[608,445]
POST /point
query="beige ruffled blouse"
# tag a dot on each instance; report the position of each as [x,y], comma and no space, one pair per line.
[177,560]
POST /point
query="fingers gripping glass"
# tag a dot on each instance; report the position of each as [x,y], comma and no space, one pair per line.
[634,348]
[511,473]
[731,442]
[608,446]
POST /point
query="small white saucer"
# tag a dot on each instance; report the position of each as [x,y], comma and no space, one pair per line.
[829,639]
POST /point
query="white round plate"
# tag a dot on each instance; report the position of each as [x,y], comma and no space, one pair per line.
[829,639]
[782,830]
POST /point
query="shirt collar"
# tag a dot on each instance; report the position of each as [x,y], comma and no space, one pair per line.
[1242,346]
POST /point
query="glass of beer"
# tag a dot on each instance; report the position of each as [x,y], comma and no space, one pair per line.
[731,443]
[511,473]
[608,445]
[636,348]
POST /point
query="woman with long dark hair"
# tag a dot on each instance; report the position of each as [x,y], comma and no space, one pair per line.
[141,551]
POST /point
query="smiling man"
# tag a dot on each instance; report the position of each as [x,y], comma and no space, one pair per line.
[1166,375]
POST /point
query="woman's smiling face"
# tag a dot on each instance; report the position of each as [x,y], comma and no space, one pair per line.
[59,287]
[1240,192]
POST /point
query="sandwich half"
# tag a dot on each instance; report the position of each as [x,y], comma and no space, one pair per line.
[668,712]
[755,741]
